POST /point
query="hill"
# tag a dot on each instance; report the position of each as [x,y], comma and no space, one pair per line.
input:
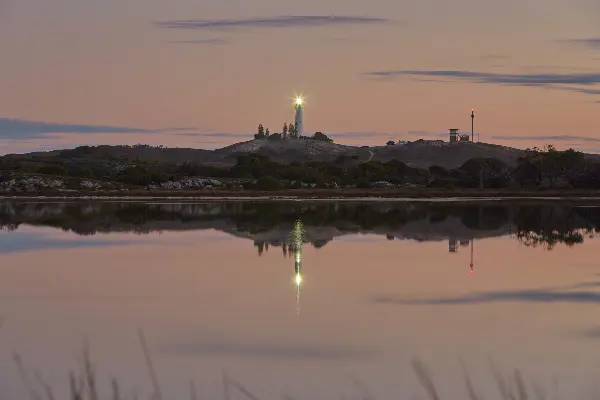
[424,153]
[272,164]
[289,151]
[420,154]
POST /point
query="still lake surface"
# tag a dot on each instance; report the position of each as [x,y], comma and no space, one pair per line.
[301,299]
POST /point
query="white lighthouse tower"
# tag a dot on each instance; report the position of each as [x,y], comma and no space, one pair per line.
[299,121]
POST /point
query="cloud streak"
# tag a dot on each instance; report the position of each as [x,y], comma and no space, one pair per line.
[530,296]
[276,22]
[494,78]
[572,82]
[358,135]
[550,295]
[22,129]
[20,242]
[589,42]
[212,42]
[18,129]
[248,136]
[559,138]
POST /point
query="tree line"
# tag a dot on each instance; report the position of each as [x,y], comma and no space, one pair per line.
[289,131]
[535,169]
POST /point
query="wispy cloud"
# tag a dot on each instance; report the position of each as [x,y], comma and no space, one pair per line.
[19,242]
[22,129]
[567,294]
[422,134]
[503,79]
[573,82]
[588,42]
[559,138]
[213,42]
[584,91]
[358,135]
[592,333]
[275,22]
[217,135]
[18,129]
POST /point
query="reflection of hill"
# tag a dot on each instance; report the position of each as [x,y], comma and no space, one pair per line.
[271,223]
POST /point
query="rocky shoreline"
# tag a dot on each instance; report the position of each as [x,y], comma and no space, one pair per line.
[210,188]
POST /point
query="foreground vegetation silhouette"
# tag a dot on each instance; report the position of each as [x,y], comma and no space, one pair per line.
[84,384]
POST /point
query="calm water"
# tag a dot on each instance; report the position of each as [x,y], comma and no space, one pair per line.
[300,299]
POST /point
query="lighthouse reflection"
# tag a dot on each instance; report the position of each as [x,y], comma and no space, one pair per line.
[291,246]
[296,243]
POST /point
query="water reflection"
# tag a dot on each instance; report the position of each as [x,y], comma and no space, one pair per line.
[297,241]
[374,281]
[273,224]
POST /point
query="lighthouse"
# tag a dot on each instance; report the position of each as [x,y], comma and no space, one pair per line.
[299,120]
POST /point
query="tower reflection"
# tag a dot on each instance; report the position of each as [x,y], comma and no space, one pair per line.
[453,248]
[296,243]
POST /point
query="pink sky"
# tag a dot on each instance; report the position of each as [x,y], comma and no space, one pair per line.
[109,63]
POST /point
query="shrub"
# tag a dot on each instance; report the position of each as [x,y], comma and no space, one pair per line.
[52,170]
[364,184]
[268,183]
[321,137]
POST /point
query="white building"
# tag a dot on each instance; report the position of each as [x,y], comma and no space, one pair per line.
[299,121]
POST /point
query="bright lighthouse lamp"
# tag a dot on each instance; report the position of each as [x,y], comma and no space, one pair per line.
[299,120]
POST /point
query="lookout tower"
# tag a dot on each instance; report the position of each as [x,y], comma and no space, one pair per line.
[453,135]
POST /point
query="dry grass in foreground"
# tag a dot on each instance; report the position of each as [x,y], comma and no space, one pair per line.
[83,385]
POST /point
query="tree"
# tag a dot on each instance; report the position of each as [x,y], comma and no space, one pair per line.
[321,137]
[570,163]
[260,134]
[551,164]
[268,183]
[292,131]
[275,136]
[284,132]
[436,170]
[52,170]
[390,143]
[267,133]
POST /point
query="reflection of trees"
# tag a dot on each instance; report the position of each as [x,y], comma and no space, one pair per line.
[548,226]
[549,239]
[268,223]
[485,217]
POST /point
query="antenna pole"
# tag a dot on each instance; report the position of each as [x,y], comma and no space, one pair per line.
[472,125]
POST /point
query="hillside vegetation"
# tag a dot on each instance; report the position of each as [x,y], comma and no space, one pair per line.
[268,164]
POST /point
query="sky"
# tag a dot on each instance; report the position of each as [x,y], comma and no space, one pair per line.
[187,73]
